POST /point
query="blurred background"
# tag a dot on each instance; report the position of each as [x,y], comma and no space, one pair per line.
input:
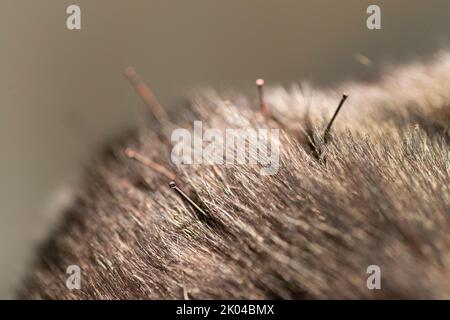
[62,92]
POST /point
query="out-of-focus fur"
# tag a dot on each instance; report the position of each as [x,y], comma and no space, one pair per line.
[377,193]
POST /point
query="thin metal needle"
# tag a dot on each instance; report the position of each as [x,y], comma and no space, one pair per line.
[132,154]
[327,130]
[147,95]
[173,185]
[262,102]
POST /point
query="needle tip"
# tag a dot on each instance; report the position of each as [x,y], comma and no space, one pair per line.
[129,153]
[129,71]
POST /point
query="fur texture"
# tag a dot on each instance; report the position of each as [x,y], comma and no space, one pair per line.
[377,193]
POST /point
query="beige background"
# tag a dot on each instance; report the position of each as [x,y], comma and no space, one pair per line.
[62,92]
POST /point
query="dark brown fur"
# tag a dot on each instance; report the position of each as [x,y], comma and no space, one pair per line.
[379,194]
